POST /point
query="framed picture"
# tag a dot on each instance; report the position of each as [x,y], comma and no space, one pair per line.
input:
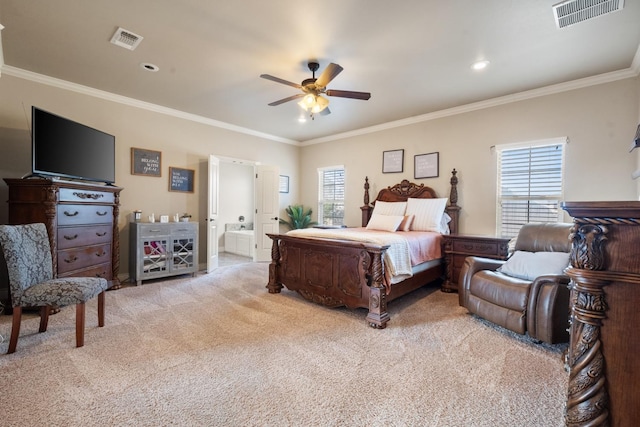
[284,184]
[426,166]
[392,161]
[181,180]
[146,162]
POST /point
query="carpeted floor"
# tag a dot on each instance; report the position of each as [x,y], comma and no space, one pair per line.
[219,350]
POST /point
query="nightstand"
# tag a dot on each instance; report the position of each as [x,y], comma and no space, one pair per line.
[459,246]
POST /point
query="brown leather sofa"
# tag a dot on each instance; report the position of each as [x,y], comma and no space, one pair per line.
[537,306]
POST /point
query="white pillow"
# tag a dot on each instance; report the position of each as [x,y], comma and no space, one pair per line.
[389,208]
[384,222]
[444,224]
[529,265]
[405,225]
[428,213]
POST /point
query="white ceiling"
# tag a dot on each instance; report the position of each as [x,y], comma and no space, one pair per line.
[414,56]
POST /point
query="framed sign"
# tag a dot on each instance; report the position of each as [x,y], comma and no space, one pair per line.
[392,161]
[284,184]
[181,179]
[146,162]
[426,166]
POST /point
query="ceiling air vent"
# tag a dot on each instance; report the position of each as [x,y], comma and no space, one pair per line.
[126,39]
[573,11]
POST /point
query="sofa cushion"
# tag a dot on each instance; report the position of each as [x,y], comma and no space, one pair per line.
[500,290]
[529,265]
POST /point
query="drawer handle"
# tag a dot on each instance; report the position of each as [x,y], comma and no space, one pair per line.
[101,254]
[70,260]
[102,213]
[67,213]
[75,236]
[93,196]
[101,234]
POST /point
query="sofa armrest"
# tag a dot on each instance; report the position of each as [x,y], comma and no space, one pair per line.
[473,264]
[548,309]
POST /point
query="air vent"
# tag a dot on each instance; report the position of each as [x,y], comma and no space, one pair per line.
[573,11]
[126,39]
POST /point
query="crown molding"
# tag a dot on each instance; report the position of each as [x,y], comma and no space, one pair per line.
[108,96]
[631,72]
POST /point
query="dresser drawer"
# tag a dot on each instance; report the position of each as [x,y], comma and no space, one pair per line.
[102,270]
[475,247]
[77,258]
[153,230]
[84,214]
[71,237]
[76,195]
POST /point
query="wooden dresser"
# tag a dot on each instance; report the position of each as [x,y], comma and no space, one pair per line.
[459,246]
[81,219]
[604,347]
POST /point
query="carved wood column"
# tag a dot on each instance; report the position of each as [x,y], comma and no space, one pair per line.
[605,294]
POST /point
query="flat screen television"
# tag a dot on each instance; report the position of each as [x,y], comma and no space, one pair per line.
[62,148]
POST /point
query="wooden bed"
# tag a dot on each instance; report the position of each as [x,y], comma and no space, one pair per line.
[347,273]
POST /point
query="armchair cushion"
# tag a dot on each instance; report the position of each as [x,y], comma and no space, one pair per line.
[529,265]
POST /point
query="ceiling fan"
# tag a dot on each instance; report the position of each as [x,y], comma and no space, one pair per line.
[313,89]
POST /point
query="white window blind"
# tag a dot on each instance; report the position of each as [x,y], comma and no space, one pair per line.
[331,195]
[530,184]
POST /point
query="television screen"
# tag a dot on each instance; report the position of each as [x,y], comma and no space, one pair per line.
[66,149]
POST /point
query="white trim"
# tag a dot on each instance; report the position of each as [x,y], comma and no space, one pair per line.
[489,103]
[85,90]
[534,143]
[1,53]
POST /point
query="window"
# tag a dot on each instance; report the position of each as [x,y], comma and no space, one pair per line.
[331,195]
[530,178]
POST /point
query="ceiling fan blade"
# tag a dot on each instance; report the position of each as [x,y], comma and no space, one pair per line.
[279,80]
[287,99]
[328,74]
[349,94]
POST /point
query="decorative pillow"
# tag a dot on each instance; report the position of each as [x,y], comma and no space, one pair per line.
[428,213]
[444,223]
[389,208]
[384,222]
[529,265]
[405,225]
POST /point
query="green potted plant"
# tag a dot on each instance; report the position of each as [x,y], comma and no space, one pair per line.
[298,217]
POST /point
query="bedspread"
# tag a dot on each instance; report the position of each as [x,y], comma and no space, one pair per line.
[406,249]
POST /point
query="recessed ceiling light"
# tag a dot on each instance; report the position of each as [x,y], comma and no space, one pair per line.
[480,65]
[149,67]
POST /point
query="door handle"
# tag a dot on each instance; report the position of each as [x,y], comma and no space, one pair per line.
[275,219]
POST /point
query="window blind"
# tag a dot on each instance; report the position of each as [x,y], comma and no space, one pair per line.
[331,196]
[530,186]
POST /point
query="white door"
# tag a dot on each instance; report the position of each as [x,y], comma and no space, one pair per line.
[267,209]
[212,213]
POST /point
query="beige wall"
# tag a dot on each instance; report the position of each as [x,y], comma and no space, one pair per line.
[599,122]
[183,143]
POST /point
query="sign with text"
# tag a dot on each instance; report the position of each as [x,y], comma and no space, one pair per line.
[181,179]
[146,162]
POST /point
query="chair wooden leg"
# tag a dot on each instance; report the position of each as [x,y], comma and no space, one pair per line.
[44,317]
[80,324]
[15,329]
[101,296]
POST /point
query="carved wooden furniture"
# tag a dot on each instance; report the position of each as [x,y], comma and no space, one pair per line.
[457,247]
[81,220]
[604,348]
[162,249]
[349,273]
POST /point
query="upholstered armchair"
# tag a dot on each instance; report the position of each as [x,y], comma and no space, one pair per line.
[528,293]
[28,257]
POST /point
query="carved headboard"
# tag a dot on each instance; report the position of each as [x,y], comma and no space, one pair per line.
[404,190]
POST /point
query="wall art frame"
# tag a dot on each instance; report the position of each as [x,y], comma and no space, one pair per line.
[181,180]
[146,162]
[393,161]
[426,165]
[284,184]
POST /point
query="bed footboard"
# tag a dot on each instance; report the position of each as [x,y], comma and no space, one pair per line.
[333,273]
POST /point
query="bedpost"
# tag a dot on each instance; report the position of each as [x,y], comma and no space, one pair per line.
[453,209]
[366,209]
[377,316]
[274,284]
